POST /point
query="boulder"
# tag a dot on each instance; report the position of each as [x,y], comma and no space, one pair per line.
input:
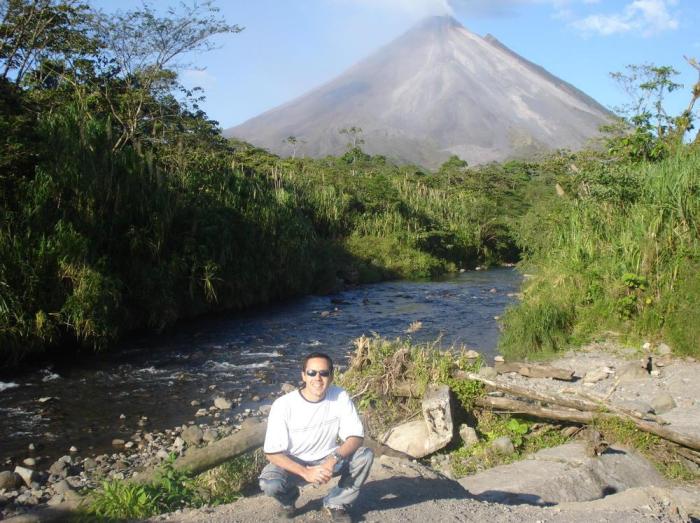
[468,435]
[632,372]
[26,474]
[437,413]
[59,468]
[488,373]
[9,480]
[422,437]
[410,438]
[222,403]
[662,403]
[192,435]
[563,474]
[503,445]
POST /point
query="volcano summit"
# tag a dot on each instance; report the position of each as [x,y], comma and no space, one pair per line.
[436,91]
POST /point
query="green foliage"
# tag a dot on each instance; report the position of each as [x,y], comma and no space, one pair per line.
[227,483]
[378,365]
[468,460]
[618,253]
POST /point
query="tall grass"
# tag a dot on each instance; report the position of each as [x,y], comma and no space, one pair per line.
[619,253]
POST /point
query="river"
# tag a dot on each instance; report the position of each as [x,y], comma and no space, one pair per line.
[151,382]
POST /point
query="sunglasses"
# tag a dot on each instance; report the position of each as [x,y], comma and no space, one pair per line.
[312,373]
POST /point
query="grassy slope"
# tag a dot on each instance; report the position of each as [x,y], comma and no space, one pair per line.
[619,252]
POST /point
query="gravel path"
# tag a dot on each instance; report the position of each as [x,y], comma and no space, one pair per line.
[399,491]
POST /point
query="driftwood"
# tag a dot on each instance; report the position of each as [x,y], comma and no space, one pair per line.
[530,370]
[522,407]
[196,460]
[584,410]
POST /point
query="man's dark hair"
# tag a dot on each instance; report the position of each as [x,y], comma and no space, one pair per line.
[318,355]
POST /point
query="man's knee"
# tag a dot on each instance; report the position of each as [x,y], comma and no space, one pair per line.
[273,480]
[362,458]
[272,487]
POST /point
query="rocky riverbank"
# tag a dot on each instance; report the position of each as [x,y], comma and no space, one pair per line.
[37,483]
[652,383]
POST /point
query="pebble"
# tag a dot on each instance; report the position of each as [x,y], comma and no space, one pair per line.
[499,359]
[73,449]
[30,462]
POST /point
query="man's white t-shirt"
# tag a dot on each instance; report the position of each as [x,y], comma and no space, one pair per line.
[309,430]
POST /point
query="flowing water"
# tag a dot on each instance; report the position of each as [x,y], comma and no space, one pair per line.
[238,356]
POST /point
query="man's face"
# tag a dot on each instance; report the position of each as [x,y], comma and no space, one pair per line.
[317,385]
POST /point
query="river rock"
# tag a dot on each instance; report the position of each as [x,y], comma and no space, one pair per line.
[423,437]
[222,403]
[89,464]
[195,403]
[596,375]
[178,444]
[639,408]
[62,487]
[471,354]
[563,474]
[9,480]
[192,435]
[632,372]
[27,475]
[662,403]
[499,359]
[287,387]
[59,468]
[503,445]
[118,443]
[201,412]
[663,349]
[488,373]
[29,462]
[210,435]
[468,435]
[162,454]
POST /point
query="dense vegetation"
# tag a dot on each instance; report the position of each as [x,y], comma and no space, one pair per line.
[618,253]
[124,209]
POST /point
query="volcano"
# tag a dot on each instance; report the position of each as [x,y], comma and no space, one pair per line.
[438,90]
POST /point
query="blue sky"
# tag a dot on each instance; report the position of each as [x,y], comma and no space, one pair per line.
[291,46]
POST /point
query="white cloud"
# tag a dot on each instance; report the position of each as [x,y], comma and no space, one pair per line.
[646,17]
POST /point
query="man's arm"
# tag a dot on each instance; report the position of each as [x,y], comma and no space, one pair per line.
[346,450]
[317,474]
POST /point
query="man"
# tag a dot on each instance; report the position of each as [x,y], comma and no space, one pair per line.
[301,442]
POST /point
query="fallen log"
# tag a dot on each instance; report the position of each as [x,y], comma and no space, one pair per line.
[197,460]
[521,407]
[530,370]
[529,393]
[575,416]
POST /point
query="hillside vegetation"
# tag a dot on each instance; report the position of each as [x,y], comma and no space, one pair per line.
[124,209]
[617,254]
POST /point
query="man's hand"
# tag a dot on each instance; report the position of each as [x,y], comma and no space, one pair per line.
[319,474]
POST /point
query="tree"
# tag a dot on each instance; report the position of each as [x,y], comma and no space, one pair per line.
[355,135]
[145,48]
[646,86]
[35,31]
[293,141]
